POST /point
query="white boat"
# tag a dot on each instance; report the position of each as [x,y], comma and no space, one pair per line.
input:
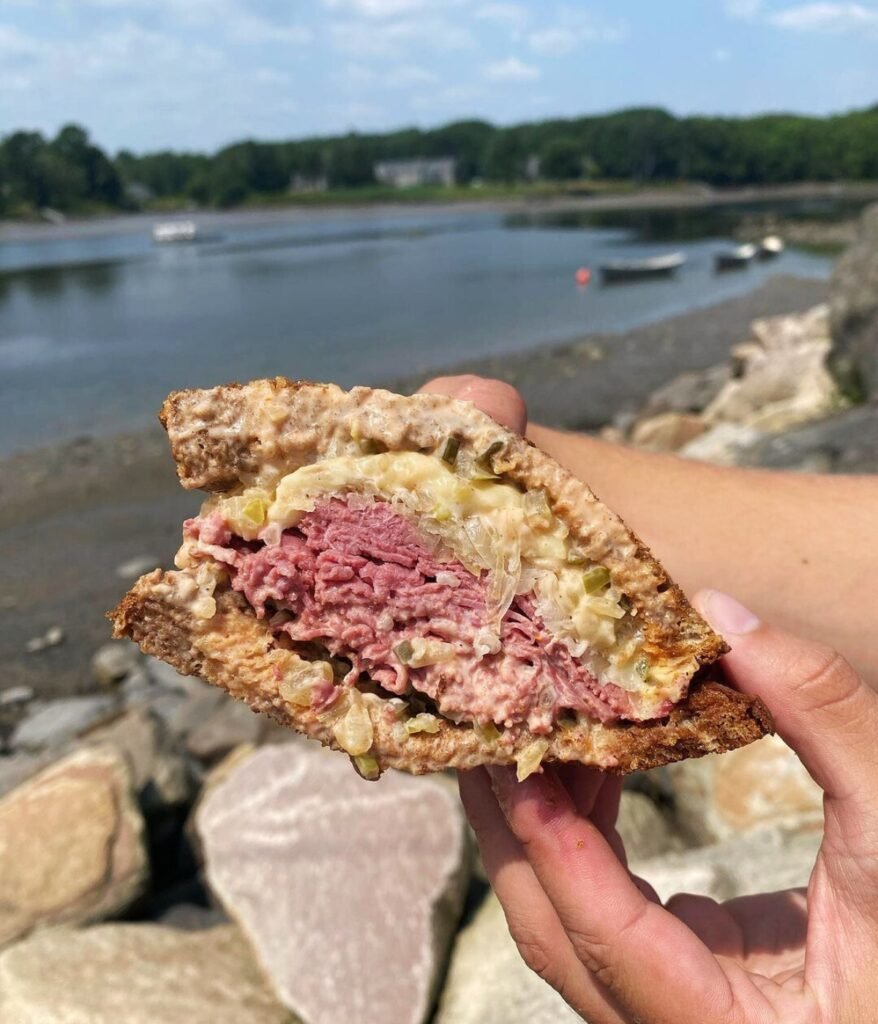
[735,259]
[770,247]
[175,231]
[635,270]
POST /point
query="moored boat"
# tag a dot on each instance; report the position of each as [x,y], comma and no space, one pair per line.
[735,259]
[643,269]
[175,231]
[770,247]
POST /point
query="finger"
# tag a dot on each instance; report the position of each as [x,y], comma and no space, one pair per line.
[499,400]
[821,707]
[532,920]
[654,966]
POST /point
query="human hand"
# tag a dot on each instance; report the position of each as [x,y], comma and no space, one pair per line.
[601,937]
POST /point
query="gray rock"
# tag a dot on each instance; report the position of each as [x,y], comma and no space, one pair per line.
[844,443]
[184,714]
[189,917]
[644,828]
[18,768]
[136,567]
[854,310]
[54,723]
[135,974]
[15,696]
[763,861]
[689,392]
[725,444]
[138,688]
[229,726]
[161,774]
[489,983]
[719,797]
[114,661]
[71,845]
[53,636]
[338,873]
[167,677]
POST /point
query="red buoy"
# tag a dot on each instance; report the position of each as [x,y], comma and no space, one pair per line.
[583,276]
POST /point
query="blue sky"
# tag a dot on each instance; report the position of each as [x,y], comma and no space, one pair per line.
[196,74]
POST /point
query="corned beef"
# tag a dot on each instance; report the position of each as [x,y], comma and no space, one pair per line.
[358,578]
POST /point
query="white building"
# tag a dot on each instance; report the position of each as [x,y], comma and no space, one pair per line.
[417,171]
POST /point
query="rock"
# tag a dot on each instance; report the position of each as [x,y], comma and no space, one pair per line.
[167,677]
[763,861]
[71,845]
[338,873]
[185,714]
[161,774]
[719,797]
[189,917]
[15,696]
[844,443]
[17,768]
[726,444]
[229,726]
[691,392]
[783,377]
[136,567]
[489,983]
[854,310]
[136,974]
[114,661]
[53,723]
[667,432]
[644,828]
[53,636]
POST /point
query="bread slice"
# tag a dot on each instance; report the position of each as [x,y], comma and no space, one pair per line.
[236,438]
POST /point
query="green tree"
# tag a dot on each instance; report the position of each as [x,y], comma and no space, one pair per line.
[561,160]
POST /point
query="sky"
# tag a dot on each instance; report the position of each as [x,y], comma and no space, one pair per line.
[196,74]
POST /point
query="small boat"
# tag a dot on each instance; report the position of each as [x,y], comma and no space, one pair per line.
[735,259]
[770,247]
[175,231]
[636,270]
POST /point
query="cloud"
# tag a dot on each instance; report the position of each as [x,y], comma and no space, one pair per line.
[375,8]
[511,70]
[398,38]
[743,8]
[512,16]
[573,28]
[826,17]
[554,42]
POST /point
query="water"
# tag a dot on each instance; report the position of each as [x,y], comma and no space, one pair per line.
[96,328]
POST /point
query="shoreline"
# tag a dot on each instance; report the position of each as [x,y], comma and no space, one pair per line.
[72,513]
[684,197]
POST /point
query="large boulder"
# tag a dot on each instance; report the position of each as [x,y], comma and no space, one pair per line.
[854,310]
[71,845]
[336,881]
[720,797]
[135,974]
[489,983]
[53,723]
[766,860]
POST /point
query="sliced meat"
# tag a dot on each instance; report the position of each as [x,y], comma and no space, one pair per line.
[360,579]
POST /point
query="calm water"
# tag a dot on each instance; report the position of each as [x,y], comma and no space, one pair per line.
[96,329]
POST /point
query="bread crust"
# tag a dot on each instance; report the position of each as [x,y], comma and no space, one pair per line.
[240,435]
[237,652]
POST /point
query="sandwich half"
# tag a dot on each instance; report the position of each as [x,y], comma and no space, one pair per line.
[407,581]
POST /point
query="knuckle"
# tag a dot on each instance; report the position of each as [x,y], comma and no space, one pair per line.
[825,682]
[533,950]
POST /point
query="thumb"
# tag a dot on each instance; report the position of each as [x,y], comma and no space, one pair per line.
[821,707]
[499,400]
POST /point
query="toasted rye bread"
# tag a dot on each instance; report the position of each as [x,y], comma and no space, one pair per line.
[228,436]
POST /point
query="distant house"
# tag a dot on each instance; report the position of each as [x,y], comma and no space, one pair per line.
[417,171]
[309,183]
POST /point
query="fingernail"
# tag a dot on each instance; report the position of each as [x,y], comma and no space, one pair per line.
[503,781]
[725,614]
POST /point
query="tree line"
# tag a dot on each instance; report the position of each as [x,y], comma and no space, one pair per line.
[69,172]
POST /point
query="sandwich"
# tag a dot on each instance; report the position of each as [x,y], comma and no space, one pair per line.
[408,582]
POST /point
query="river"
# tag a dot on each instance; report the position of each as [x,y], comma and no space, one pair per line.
[96,327]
